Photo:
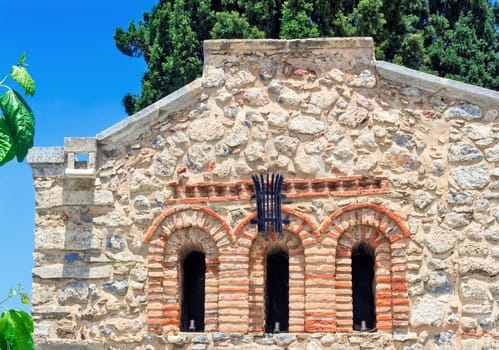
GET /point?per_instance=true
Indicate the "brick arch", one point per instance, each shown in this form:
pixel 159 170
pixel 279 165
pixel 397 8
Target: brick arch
pixel 369 214
pixel 301 238
pixel 387 234
pixel 176 232
pixel 191 216
pixel 256 295
pixel 300 224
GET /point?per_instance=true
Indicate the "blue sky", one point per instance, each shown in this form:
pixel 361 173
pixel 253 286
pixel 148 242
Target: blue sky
pixel 80 80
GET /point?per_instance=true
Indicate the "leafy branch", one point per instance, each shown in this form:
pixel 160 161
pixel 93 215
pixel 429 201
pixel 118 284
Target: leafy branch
pixel 16 326
pixel 17 124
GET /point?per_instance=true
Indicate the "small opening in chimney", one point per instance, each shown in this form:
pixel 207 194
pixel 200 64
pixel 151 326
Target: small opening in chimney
pixel 364 318
pixel 192 306
pixel 277 291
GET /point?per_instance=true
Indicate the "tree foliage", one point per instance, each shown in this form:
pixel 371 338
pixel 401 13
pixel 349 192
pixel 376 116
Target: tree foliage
pixel 451 38
pixel 17 124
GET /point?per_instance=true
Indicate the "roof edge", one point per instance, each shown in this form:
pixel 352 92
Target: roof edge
pixel 432 83
pixel 138 122
pixel 278 45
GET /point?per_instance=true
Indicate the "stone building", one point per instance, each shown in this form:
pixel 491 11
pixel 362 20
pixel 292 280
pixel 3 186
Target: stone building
pixel 145 235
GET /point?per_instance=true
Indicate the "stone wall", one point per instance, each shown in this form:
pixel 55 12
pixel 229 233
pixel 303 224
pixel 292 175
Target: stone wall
pixel 370 152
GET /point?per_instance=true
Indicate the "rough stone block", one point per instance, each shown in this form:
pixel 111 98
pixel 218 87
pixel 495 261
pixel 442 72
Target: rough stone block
pixel 78 272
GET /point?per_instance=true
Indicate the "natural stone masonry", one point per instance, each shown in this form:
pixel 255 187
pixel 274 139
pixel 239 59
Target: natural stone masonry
pixel 371 152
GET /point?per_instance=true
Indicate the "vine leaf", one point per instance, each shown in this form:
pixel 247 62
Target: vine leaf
pixel 7 151
pixel 22 77
pixel 25 299
pixel 20 120
pixel 16 327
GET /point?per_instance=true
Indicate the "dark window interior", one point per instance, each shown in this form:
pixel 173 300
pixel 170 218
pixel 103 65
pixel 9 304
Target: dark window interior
pixel 362 286
pixel 192 308
pixel 277 292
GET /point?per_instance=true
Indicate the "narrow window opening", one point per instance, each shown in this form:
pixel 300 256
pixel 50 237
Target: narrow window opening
pixel 277 292
pixel 193 292
pixel 81 160
pixel 364 315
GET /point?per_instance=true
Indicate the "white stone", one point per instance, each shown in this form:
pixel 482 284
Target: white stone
pixel 77 272
pixel 428 312
pixel 240 80
pixel 389 117
pixel 208 129
pixel 476 131
pixel 237 136
pixel 306 125
pixel 213 77
pixel 353 118
pixel 366 140
pixel 255 152
pixel 316 146
pixel 324 99
pixel 474 293
pixel 255 97
pixel 487 266
pixel 78 239
pixel 364 79
pixel 124 325
pixel 472 177
pixel 491 115
pixel 440 240
pixel 199 156
pixel 464 152
pixel 242 168
pixel 422 199
pixel 286 144
pixel 492 154
pixel 115 218
pixel 366 163
pixel 223 170
pixel 336 74
pixel 88 198
pixel 464 111
pixel 277 119
pixel 289 98
pixel 307 165
pixel 223 98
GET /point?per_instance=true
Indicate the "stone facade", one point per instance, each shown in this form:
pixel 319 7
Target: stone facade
pixel 370 152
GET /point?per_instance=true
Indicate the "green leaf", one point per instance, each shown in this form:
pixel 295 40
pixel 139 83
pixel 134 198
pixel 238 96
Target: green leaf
pixel 22 77
pixel 7 151
pixel 22 58
pixel 20 120
pixel 12 292
pixel 25 299
pixel 16 327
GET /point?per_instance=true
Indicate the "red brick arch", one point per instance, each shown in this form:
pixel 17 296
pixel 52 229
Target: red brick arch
pixel 301 239
pixel 386 233
pixel 176 232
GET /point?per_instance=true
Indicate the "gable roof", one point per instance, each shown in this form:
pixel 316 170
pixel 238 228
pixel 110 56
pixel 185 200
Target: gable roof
pixel 362 49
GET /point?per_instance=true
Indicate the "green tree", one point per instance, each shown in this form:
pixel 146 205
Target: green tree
pixel 17 124
pixel 450 38
pixel 230 25
pixel 170 47
pixel 296 20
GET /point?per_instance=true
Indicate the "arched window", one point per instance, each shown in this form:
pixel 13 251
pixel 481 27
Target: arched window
pixel 192 303
pixel 277 291
pixel 364 315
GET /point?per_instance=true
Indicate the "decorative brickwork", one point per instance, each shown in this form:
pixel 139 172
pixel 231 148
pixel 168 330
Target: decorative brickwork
pixel 174 234
pixel 320 275
pixel 385 232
